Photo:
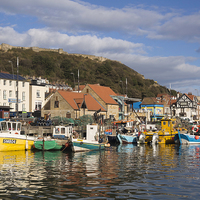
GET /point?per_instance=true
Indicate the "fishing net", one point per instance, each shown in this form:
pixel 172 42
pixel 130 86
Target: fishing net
pixel 83 120
pixel 62 120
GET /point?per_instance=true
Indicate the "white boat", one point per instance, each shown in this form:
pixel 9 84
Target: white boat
pixel 92 141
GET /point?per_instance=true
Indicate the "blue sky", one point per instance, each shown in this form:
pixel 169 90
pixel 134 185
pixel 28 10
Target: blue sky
pixel 159 39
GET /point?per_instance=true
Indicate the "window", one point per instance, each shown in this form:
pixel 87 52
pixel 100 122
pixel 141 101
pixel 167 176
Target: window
pixel 56 104
pixel 23 96
pixel 9 126
pixel 10 104
pixel 23 84
pixel 10 83
pixel 14 126
pixel 10 93
pixel 23 107
pixel 4 104
pixel 4 82
pixel 4 94
pixel 62 130
pixel 38 94
pixel 18 126
pixel 68 115
pixel 38 105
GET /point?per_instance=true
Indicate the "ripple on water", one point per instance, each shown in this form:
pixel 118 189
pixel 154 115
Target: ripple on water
pixel 123 172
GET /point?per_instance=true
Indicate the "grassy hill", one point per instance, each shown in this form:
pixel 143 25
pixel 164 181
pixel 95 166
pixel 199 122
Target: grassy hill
pixel 58 67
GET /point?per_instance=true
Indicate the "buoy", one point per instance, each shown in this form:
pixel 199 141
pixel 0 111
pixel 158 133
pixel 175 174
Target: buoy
pixel 107 145
pixel 196 137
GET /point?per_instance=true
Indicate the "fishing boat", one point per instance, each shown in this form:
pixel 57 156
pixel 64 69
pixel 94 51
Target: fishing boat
pixel 12 138
pixel 125 131
pixel 60 140
pixel 92 140
pixel 128 138
pixel 186 138
pixel 169 129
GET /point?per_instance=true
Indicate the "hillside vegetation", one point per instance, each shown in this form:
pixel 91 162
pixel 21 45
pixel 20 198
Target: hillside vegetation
pixel 58 68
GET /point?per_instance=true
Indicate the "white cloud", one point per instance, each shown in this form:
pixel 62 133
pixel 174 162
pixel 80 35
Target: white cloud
pixel 72 16
pixel 164 70
pixel 86 44
pixel 174 69
pixel 78 16
pixel 179 27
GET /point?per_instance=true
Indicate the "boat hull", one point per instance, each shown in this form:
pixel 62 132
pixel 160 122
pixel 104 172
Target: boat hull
pixel 15 144
pixel 187 139
pixel 55 144
pixel 162 138
pixel 87 145
pixel 126 139
pixel 112 139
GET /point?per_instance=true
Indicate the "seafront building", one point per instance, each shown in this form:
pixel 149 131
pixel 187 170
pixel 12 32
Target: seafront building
pixel 8 92
pixel 185 106
pixel 60 100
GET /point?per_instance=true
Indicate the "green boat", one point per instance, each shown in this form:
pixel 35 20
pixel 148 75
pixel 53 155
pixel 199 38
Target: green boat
pixel 47 145
pixel 53 144
pixel 60 140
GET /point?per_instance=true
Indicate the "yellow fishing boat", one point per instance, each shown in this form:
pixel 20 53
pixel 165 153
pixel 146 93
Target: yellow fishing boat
pixel 169 128
pixel 12 138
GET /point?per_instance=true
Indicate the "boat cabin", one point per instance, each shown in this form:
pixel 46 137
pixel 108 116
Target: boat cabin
pixel 124 125
pixel 168 124
pixel 10 127
pixel 62 132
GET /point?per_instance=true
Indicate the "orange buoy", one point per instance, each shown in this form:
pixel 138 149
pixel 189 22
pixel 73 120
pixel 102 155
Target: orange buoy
pixel 196 137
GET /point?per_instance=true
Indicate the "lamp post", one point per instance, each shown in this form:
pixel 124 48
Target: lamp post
pixel 17 87
pixel 78 80
pixel 74 79
pixel 12 67
pixel 122 100
pixel 197 92
pixel 126 88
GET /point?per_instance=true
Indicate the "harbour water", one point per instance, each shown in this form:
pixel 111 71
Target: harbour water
pixel 120 172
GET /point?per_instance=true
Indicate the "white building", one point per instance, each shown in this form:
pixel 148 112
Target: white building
pixel 31 96
pixel 38 89
pixel 187 107
pixel 8 92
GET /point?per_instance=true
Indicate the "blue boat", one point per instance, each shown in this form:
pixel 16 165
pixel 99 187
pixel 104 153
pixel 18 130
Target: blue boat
pixel 186 138
pixel 127 138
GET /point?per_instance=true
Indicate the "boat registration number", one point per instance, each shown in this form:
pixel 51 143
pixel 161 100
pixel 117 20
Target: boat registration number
pixel 9 141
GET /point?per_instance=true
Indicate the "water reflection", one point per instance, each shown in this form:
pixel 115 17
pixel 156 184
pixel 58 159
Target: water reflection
pixel 121 172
